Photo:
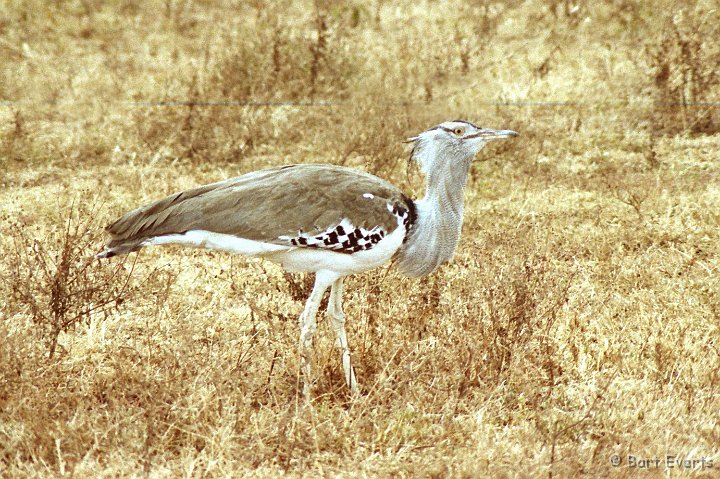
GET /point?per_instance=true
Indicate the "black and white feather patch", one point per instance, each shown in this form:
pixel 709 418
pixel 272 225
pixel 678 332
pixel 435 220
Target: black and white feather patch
pixel 345 237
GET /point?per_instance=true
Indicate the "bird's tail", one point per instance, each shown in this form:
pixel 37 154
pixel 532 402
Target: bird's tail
pixel 106 253
pixel 120 248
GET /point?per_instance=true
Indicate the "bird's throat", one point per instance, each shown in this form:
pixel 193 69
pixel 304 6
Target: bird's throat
pixel 434 236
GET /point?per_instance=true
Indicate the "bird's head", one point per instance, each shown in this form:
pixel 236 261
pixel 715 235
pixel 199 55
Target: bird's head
pixel 452 142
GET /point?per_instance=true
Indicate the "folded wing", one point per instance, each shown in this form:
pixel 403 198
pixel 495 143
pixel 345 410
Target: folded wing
pixel 314 206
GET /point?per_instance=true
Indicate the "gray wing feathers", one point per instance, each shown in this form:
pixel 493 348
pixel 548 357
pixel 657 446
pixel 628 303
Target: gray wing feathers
pixel 265 205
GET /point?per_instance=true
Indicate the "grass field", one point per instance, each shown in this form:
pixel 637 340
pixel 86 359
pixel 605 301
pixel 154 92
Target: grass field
pixel 580 318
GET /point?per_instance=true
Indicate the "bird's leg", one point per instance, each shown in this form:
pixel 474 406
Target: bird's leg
pixel 308 327
pixel 338 320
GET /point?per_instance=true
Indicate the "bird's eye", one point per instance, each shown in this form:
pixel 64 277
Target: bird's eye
pixel 458 131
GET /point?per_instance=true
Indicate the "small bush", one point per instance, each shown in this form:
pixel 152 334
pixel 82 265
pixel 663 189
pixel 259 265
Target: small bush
pixel 520 300
pixel 57 281
pixel 685 74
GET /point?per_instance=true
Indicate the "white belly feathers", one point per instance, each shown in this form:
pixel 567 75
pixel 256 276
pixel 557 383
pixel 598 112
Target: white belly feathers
pixel 296 258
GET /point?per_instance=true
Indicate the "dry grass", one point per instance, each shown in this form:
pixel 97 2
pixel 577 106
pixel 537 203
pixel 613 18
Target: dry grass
pixel 579 319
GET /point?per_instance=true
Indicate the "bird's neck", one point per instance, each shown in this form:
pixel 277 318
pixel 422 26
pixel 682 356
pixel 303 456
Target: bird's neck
pixel 434 236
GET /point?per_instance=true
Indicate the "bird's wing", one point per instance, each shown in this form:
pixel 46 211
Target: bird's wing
pixel 296 205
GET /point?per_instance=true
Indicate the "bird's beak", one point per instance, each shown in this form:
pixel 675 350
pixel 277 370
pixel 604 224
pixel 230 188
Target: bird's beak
pixel 411 140
pixel 488 134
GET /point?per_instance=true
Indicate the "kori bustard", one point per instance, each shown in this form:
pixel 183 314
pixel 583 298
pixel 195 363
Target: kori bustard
pixel 330 220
